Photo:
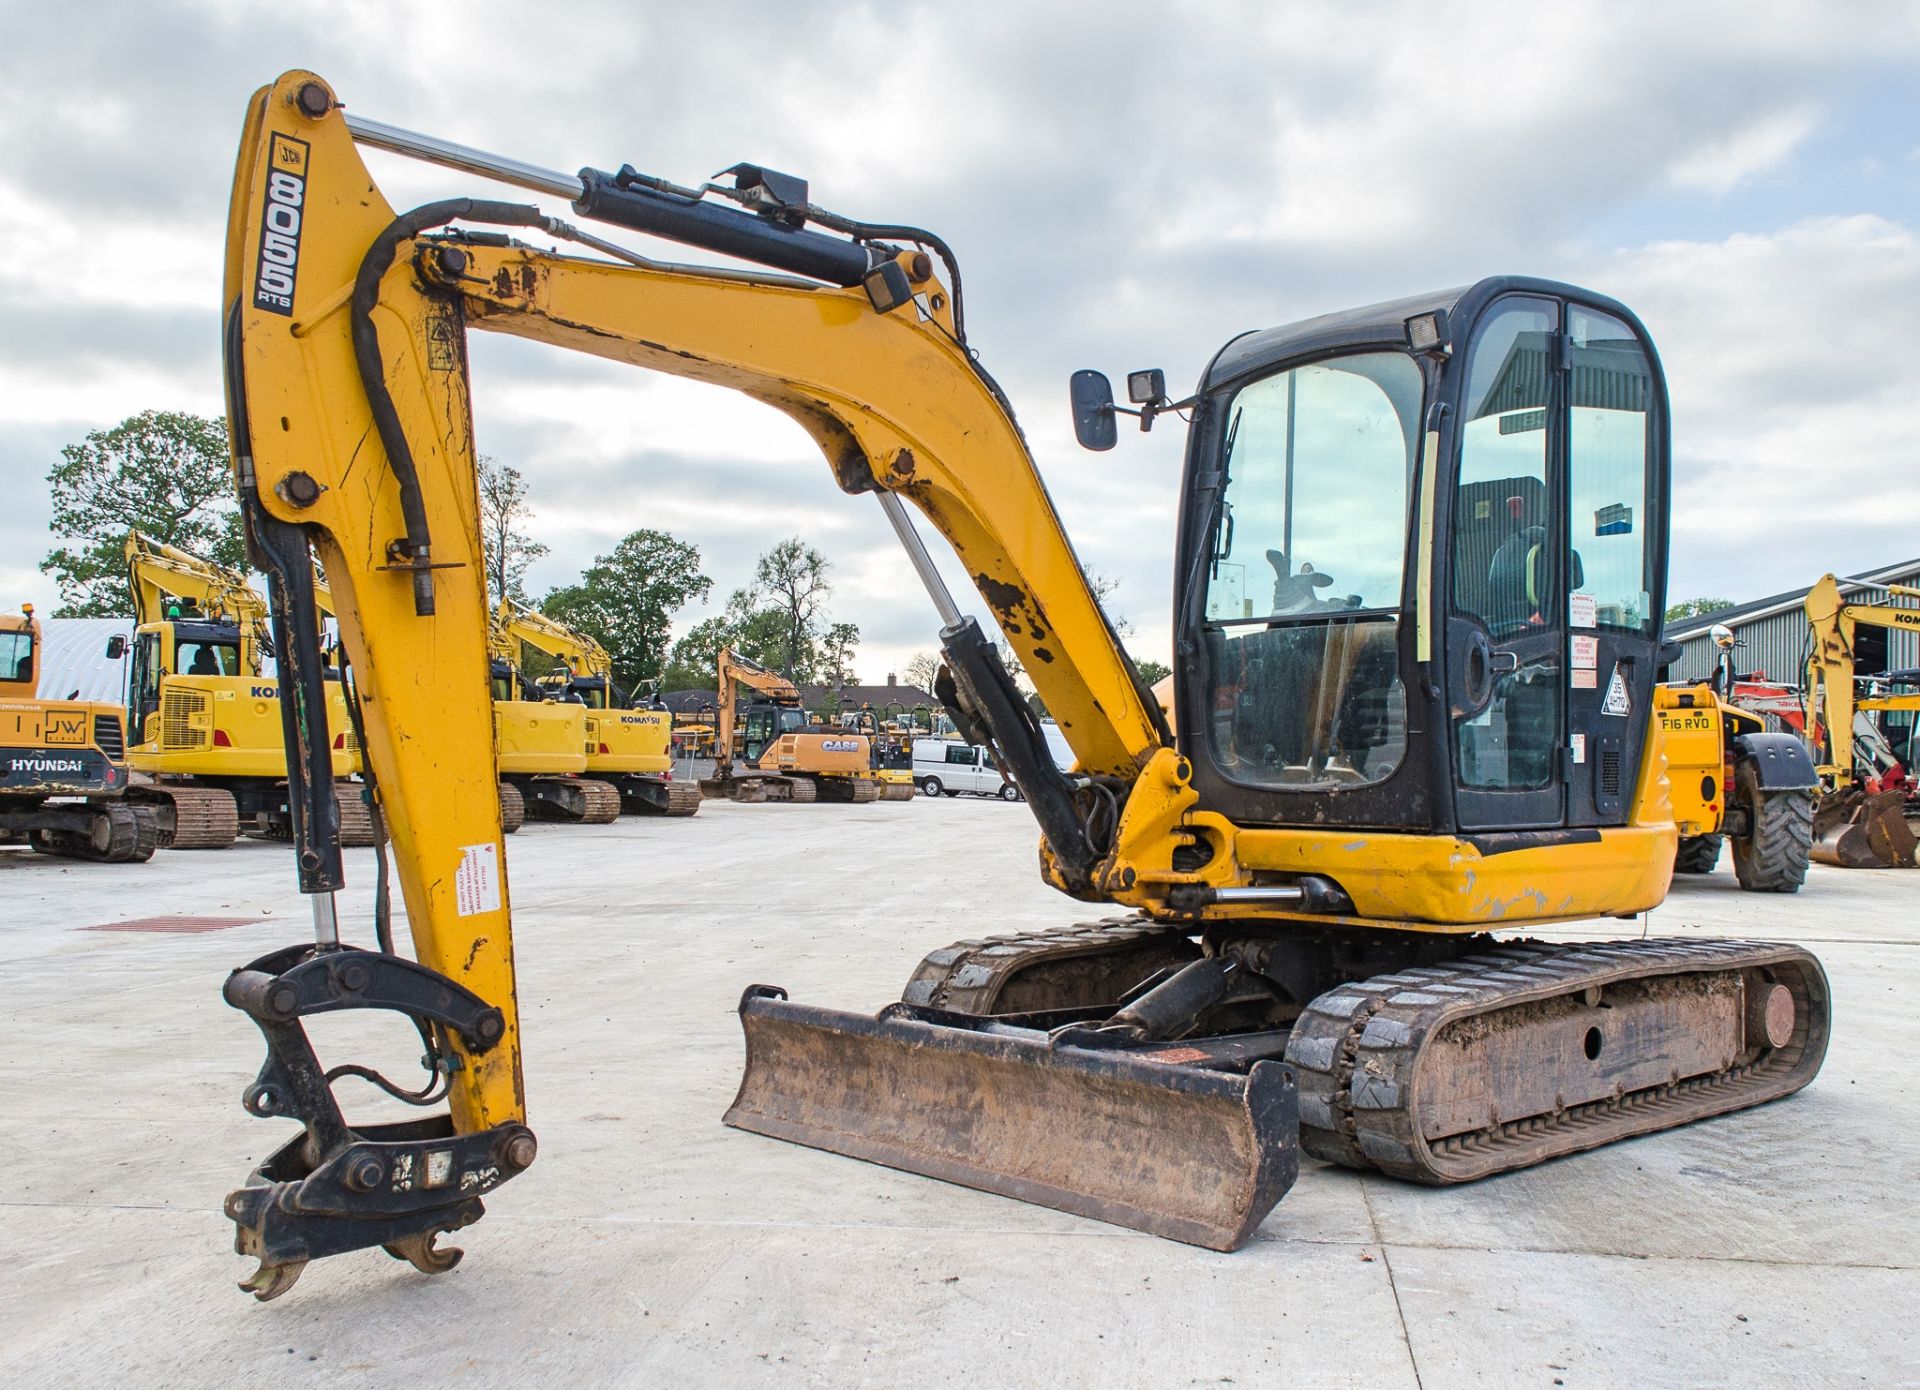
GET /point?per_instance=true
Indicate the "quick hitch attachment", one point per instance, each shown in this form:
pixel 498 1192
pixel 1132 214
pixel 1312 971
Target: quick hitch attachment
pixel 334 1187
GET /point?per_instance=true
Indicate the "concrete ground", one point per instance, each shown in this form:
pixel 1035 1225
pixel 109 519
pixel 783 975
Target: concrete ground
pixel 652 1246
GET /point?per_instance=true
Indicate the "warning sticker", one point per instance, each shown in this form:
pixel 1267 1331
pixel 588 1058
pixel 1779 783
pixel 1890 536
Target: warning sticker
pixel 1579 748
pixel 1588 679
pixel 1616 703
pixel 1586 653
pixel 476 883
pixel 1580 610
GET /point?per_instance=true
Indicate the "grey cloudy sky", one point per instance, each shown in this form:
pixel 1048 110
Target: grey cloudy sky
pixel 1126 184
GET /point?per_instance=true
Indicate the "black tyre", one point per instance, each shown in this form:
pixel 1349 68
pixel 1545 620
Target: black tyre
pixel 1698 854
pixel 1773 859
pixel 930 786
pixel 1009 792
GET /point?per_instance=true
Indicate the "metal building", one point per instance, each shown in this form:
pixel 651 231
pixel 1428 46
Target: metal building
pixel 1773 631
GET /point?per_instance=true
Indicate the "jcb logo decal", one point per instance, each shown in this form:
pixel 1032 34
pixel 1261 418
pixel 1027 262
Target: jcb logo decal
pixel 66 726
pixel 280 225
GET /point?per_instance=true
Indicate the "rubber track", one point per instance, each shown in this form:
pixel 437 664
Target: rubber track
pixel 356 817
pixel 602 802
pixel 133 834
pixel 968 976
pixel 1356 1049
pixel 203 817
pixel 513 808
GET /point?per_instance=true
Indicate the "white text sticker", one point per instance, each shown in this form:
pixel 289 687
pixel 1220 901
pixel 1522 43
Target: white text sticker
pixel 1580 610
pixel 1579 748
pixel 476 883
pixel 1586 653
pixel 1617 703
pixel 1588 679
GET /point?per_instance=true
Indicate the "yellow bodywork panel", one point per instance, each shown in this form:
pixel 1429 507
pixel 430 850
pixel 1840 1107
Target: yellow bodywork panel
pixel 629 740
pixel 540 736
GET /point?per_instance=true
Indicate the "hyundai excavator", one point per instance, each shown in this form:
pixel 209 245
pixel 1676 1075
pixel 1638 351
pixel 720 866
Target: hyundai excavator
pixel 629 746
pixel 1391 752
pixel 782 754
pixel 1866 816
pixel 204 720
pixel 63 765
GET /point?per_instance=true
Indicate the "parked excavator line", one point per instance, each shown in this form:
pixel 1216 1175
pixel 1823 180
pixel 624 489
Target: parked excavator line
pixel 1419 572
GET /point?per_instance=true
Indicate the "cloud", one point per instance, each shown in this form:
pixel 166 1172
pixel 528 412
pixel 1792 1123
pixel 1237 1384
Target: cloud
pixel 1124 193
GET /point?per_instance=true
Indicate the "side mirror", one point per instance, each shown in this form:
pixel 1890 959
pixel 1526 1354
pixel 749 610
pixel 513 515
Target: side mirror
pixel 1093 416
pixel 116 647
pixel 1722 636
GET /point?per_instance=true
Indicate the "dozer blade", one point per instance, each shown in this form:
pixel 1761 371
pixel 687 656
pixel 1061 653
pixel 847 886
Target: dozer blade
pixel 1134 1136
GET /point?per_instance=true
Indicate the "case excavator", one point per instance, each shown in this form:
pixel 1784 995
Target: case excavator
pixel 782 755
pixel 1421 552
pixel 629 744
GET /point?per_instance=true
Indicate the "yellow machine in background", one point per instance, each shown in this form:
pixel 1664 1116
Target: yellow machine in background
pixel 542 744
pixel 1419 573
pixel 782 754
pixel 205 721
pixel 890 751
pixel 1858 826
pixel 628 746
pixel 1730 778
pixel 63 768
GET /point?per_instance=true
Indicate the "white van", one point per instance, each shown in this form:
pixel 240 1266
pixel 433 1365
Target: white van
pixel 947 766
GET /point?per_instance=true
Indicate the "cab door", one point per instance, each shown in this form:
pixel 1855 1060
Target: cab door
pixel 1558 558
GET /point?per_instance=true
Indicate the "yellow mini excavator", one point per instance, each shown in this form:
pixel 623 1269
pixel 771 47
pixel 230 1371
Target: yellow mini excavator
pixel 1420 573
pixel 629 745
pixel 205 722
pixel 782 754
pixel 63 765
pixel 1866 815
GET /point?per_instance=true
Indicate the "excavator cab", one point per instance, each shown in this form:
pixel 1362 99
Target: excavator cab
pixel 1421 566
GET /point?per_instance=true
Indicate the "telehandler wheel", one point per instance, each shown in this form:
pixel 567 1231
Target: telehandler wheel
pixel 1698 854
pixel 930 786
pixel 1773 857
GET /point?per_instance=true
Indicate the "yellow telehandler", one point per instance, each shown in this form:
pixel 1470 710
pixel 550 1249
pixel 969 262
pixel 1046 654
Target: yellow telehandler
pixel 1420 570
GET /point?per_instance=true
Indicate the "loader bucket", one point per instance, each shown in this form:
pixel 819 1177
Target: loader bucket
pixel 1129 1136
pixel 1856 831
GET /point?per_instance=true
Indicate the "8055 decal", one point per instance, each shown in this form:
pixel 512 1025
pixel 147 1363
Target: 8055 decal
pixel 280 218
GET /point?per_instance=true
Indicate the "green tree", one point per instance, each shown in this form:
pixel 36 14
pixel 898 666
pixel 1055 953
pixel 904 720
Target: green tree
pixel 696 654
pixel 164 472
pixel 836 651
pixel 504 513
pixel 791 580
pixel 1152 672
pixel 626 600
pixel 1694 607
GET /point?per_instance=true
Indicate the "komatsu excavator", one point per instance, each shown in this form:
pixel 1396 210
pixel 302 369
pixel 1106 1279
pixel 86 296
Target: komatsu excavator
pixel 1862 821
pixel 205 721
pixel 542 743
pixel 629 745
pixel 1421 561
pixel 782 754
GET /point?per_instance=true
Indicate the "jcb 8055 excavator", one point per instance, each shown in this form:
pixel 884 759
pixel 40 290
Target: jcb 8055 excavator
pixel 205 721
pixel 1435 723
pixel 628 746
pixel 63 765
pixel 782 754
pixel 1861 821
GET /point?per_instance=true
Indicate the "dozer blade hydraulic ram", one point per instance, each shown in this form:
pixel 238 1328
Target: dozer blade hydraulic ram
pixel 1139 1135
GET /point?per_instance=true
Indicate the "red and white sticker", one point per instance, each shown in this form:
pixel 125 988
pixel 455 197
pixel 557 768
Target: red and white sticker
pixel 476 883
pixel 1581 611
pixel 1588 679
pixel 1586 653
